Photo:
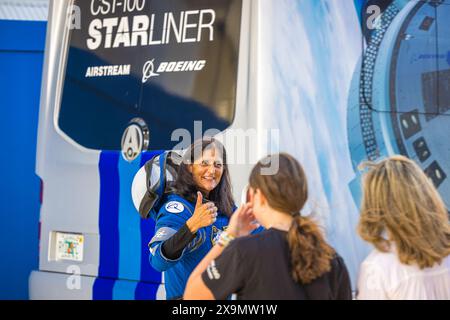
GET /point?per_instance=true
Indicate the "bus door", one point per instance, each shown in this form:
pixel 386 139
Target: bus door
pixel 119 79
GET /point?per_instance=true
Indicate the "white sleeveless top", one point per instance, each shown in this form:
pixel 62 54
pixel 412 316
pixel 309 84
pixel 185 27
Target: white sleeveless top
pixel 383 276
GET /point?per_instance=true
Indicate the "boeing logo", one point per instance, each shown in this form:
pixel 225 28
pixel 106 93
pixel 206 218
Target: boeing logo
pixel 433 57
pixel 148 70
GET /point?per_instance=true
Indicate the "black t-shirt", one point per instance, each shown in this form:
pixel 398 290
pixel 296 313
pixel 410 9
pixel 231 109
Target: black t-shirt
pixel 258 268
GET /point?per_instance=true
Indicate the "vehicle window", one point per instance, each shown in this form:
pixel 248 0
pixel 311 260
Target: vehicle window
pixel 168 62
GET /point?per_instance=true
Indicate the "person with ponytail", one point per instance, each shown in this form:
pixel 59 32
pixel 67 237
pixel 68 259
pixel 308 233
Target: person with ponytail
pixel 289 260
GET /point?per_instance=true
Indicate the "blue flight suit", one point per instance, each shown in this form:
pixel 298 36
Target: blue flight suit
pixel 171 217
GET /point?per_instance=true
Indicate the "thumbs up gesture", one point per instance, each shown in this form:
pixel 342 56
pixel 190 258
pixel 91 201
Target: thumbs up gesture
pixel 204 215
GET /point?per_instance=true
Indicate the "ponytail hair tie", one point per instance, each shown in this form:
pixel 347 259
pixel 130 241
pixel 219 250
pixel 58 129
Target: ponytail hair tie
pixel 296 222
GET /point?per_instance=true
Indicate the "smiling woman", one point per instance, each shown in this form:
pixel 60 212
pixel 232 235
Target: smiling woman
pixel 207 170
pixel 191 219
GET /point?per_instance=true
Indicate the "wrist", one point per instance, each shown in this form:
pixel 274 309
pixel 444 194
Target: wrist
pixel 225 238
pixel 232 232
pixel 192 226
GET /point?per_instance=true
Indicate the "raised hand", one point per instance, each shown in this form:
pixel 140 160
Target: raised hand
pixel 242 222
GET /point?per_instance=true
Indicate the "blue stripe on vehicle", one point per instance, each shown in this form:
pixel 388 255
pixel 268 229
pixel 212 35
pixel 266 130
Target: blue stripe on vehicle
pixel 146 291
pixel 129 223
pixel 124 236
pixel 103 289
pixel 108 225
pixel 147 226
pixel 124 290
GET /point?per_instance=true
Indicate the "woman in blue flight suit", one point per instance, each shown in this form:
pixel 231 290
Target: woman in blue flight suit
pixel 189 221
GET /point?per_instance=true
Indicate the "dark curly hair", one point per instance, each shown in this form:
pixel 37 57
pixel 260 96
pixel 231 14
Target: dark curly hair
pixel 185 185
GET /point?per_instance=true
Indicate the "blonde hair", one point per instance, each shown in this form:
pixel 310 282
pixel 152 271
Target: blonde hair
pixel 401 201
